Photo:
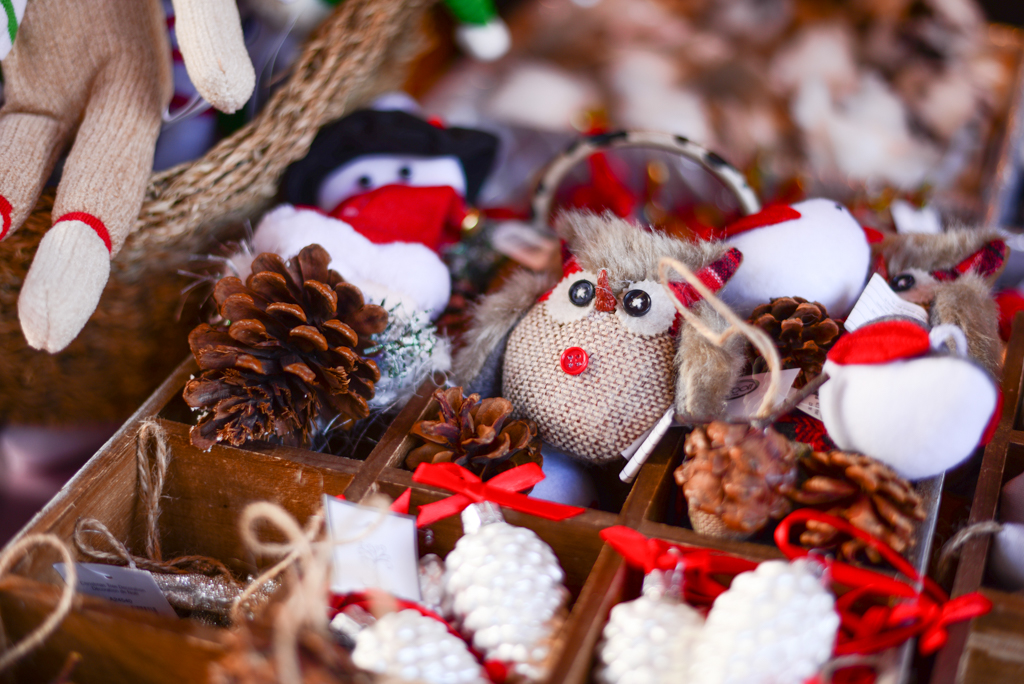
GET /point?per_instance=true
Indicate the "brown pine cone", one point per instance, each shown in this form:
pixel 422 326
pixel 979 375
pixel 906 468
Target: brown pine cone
pixel 289 355
pixel 801 330
pixel 472 433
pixel 865 492
pixel 738 474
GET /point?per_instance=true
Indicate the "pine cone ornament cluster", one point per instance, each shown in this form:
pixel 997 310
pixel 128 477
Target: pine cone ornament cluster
pixel 867 493
pixel 736 478
pixel 801 330
pixel 475 434
pixel 649 639
pixel 287 355
pixel 504 590
pixel 412 647
pixel 776 623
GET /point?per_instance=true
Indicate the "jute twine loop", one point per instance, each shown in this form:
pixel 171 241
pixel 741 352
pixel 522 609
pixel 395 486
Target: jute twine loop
pixel 53 620
pixel 150 439
pixel 307 559
pixel 951 549
pixel 757 337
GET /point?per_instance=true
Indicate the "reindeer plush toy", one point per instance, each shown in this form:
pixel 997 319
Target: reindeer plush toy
pixel 98 72
pixel 597 357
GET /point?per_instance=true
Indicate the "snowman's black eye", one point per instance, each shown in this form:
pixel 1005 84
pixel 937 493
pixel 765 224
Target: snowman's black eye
pixel 365 182
pixel 405 173
pixel 636 302
pixel 902 282
pixel 581 292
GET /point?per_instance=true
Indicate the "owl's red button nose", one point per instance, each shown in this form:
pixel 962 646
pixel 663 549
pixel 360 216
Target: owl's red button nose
pixel 574 360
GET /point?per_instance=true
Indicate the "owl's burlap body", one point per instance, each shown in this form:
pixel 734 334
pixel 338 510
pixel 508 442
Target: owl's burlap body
pixel 628 385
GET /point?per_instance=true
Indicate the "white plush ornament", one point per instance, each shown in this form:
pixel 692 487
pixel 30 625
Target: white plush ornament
pixel 412 647
pixel 504 589
pixel 399 273
pixel 822 255
pixel 918 412
pixel 776 624
pixel 649 640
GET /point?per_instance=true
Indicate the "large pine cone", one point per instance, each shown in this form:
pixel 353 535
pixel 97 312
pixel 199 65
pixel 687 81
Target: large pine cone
pixel 738 475
pixel 801 330
pixel 289 356
pixel 473 433
pixel 867 493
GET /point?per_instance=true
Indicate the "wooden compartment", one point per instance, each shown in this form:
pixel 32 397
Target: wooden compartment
pixel 991 648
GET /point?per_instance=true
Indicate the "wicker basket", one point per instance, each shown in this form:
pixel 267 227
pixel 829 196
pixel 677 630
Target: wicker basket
pixel 138 333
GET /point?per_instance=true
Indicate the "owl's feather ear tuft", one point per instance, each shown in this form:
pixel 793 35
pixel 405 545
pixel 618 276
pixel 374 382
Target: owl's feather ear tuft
pixel 630 252
pixel 929 252
pixel 493 319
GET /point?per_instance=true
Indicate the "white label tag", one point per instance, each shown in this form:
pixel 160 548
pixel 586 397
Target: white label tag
pixel 809 405
pixel 877 301
pixel 382 554
pixel 525 244
pixel 123 586
pixel 910 219
pixel 747 394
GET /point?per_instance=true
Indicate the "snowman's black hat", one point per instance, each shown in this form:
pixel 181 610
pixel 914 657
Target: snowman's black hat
pixel 370 131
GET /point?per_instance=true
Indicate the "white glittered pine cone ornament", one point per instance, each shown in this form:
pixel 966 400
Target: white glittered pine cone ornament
pixel 650 640
pixel 413 647
pixel 775 625
pixel 505 592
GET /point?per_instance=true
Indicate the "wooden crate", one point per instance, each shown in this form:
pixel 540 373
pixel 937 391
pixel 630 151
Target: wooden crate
pixel 204 495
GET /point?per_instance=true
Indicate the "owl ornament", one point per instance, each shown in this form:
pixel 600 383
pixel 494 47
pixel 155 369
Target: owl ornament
pixel 598 356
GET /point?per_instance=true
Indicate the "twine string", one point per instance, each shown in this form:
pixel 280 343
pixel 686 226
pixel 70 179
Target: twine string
pixel 150 439
pixel 48 626
pixel 757 337
pixel 951 549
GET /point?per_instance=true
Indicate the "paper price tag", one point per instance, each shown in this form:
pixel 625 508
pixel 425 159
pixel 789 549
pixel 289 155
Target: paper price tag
pixel 382 553
pixel 747 394
pixel 810 405
pixel 123 586
pixel 878 301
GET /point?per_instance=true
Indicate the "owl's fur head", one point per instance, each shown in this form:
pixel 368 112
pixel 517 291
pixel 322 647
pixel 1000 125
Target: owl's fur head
pixel 609 254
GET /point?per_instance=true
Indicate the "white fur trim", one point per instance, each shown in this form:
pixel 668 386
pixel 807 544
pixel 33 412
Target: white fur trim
pixel 822 256
pixel 561 308
pixel 396 273
pixel 921 416
pixel 660 316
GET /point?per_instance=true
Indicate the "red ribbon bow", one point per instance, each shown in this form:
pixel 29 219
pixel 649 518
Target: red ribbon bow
pixel 927 612
pixel 502 489
pixel 699 565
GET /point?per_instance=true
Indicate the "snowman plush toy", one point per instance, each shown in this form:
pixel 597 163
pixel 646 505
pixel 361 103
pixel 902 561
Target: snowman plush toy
pixel 384 192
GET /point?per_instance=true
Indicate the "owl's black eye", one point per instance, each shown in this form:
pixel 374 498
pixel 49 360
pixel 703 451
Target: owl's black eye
pixel 365 182
pixel 405 173
pixel 581 293
pixel 902 282
pixel 636 302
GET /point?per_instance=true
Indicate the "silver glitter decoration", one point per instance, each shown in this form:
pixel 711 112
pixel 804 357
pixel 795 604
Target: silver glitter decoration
pixel 209 596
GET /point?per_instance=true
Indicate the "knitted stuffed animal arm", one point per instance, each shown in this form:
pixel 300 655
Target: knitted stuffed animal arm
pixel 98 73
pixel 210 37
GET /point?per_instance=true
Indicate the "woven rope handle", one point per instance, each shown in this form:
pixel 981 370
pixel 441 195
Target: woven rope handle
pixel 757 337
pixel 349 58
pixel 544 194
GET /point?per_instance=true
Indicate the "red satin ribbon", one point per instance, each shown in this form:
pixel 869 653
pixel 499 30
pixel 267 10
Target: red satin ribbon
pixel 699 565
pixel 502 489
pixel 927 612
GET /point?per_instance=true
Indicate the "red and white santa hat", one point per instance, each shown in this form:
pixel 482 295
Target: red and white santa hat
pixel 907 397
